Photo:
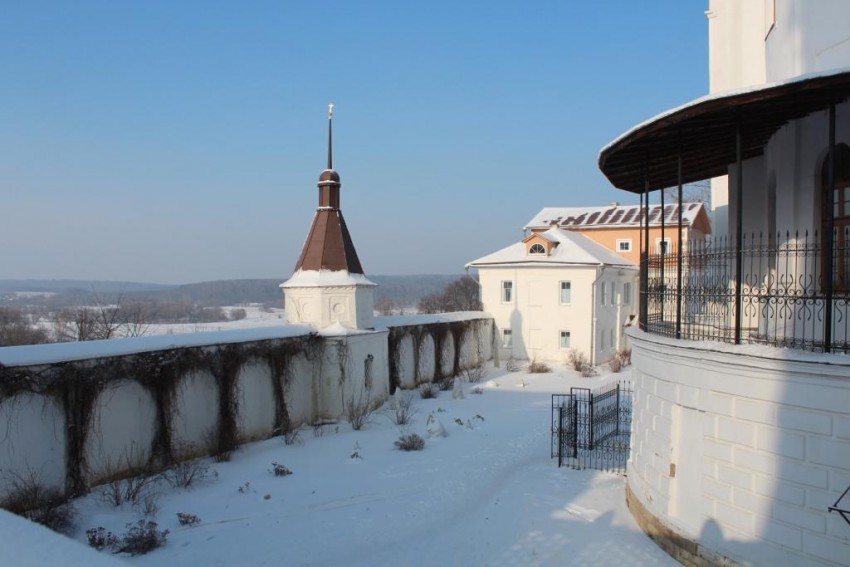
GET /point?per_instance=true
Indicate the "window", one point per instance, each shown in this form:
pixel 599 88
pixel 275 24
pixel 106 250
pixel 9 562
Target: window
pixel 602 340
pixel 507 292
pixel 624 245
pixel 611 338
pixel 603 293
pixel 566 292
pixel 613 294
pixel 627 293
pixel 507 338
pixel 840 202
pixel 662 246
pixel 537 248
pixel 565 340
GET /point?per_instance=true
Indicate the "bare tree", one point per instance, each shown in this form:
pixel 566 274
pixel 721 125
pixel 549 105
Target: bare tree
pixel 459 295
pixel 102 321
pixel 136 318
pixel 696 192
pixel 385 306
pixel 15 329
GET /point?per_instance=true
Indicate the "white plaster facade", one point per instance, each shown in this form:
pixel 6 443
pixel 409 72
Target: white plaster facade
pixel 581 289
pixel 321 298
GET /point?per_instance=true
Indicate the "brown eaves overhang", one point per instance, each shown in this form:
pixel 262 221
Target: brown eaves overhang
pixel 705 131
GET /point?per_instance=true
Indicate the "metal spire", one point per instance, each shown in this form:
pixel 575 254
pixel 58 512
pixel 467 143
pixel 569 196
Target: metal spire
pixel 330 136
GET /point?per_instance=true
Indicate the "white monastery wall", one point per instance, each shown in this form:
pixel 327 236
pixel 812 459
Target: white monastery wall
pixel 195 413
pixel 122 429
pixel 33 429
pixel 134 405
pixel 741 449
pixel 255 401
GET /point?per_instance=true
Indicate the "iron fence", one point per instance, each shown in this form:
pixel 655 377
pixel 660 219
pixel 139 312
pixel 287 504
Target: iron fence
pixel 592 429
pixel 779 298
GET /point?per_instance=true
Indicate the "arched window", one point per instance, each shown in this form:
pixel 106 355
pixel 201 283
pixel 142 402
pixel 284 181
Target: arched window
pixel 537 249
pixel 839 200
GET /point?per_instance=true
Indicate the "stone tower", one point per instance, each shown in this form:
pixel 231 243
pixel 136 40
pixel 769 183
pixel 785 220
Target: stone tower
pixel 329 285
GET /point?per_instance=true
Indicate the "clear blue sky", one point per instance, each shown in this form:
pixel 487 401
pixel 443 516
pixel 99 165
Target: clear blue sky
pixel 177 141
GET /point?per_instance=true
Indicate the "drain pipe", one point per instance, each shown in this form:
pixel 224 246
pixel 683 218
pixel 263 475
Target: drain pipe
pixel 600 271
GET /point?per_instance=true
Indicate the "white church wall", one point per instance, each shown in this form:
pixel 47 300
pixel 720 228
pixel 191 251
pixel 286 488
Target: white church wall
pixel 741 454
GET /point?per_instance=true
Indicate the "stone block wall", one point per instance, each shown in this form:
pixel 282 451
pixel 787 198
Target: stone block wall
pixel 740 450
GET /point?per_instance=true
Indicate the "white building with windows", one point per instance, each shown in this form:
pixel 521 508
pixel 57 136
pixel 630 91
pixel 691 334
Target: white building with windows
pixel 555 291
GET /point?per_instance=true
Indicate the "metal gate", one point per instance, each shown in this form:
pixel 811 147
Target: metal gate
pixel 591 429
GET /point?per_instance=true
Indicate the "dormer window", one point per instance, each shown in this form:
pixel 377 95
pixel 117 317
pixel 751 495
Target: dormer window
pixel 537 248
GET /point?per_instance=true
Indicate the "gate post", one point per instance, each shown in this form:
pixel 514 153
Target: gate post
pixel 617 413
pixel 590 424
pixel 560 435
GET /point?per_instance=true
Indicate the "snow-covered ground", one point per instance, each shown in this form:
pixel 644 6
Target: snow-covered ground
pixel 486 494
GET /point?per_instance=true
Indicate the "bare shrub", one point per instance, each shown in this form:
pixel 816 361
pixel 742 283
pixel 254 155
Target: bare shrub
pixel 577 360
pixel 280 470
pixel 538 367
pixel 477 390
pixel 292 436
pixel 359 412
pixel 511 364
pixel 131 490
pixel 237 314
pixel 587 371
pixel 148 505
pixel 625 356
pixel 474 374
pixel 101 539
pixel 410 442
pixel 186 473
pixel 446 383
pixel 29 498
pixel 400 411
pixel 185 519
pixel 428 391
pixel 141 537
pixel 615 364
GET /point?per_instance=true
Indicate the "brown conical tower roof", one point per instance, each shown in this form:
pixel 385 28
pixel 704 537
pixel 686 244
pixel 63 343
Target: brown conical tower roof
pixel 329 245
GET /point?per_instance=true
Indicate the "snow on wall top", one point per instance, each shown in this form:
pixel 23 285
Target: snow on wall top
pixel 322 278
pixel 61 352
pixel 572 249
pixel 423 319
pixel 612 216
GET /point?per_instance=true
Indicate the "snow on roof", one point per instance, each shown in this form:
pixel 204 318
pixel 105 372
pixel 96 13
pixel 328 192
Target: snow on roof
pixel 322 278
pixel 60 352
pixel 724 94
pixel 573 249
pixel 612 216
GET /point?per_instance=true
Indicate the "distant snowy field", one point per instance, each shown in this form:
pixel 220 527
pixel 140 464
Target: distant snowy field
pixel 486 494
pixel 255 317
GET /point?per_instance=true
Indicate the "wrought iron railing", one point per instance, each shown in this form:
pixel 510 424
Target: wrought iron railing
pixel 781 290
